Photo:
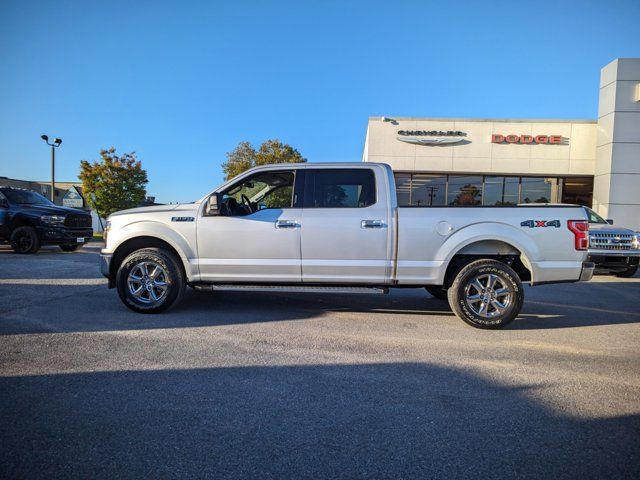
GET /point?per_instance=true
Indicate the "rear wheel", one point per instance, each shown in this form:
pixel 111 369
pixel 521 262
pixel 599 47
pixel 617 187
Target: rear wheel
pixel 150 280
pixel 486 294
pixel 629 272
pixel 437 291
pixel 25 240
pixel 69 248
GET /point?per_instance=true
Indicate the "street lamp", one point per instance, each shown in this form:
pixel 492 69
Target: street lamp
pixel 56 143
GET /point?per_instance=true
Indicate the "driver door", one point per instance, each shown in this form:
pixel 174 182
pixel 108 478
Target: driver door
pixel 257 237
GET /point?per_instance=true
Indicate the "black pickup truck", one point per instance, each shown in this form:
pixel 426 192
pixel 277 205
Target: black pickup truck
pixel 28 220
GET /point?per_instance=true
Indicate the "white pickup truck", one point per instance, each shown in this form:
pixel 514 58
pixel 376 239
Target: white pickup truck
pixel 315 225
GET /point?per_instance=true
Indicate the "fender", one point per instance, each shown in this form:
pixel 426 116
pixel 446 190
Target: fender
pixel 530 253
pixel 150 228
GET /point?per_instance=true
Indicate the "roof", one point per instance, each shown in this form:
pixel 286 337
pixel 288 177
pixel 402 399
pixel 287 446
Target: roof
pixel 503 120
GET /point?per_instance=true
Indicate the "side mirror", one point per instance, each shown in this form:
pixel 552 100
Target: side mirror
pixel 610 221
pixel 213 205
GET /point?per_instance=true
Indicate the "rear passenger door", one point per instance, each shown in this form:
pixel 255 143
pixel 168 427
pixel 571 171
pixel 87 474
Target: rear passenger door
pixel 345 227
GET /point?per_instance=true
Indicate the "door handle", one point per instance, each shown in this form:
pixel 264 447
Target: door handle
pixel 287 224
pixel 372 224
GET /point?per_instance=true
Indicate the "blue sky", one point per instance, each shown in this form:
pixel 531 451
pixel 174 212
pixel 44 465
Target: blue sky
pixel 181 83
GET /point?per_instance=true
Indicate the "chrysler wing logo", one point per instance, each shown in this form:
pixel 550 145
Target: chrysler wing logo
pixel 432 137
pixel 431 141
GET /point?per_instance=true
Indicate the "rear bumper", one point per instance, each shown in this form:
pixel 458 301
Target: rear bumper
pixel 587 271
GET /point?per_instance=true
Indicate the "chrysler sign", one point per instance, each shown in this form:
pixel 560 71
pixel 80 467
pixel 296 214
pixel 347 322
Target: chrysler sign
pixel 431 137
pixel 527 139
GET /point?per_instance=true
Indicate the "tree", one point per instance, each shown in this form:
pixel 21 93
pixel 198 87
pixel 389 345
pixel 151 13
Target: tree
pixel 117 181
pixel 469 195
pixel 245 156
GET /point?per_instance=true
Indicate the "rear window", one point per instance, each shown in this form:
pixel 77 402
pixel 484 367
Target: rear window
pixel 339 188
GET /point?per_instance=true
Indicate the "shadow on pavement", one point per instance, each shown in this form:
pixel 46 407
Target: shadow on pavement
pixel 90 307
pixel 404 420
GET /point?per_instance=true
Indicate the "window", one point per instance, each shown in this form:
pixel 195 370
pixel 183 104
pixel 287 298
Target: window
pixel 464 191
pixel 594 217
pixel 428 190
pixel 421 190
pixel 258 192
pixel 538 190
pixel 25 197
pixel 501 191
pixel 403 189
pixel 339 188
pixel 578 190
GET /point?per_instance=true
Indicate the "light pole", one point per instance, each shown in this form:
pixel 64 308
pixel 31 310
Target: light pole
pixel 56 143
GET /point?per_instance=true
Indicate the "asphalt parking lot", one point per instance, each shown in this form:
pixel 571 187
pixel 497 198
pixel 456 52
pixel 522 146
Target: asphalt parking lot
pixel 274 385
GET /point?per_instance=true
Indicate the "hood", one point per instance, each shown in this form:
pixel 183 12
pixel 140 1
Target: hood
pixel 606 228
pixel 51 210
pixel 152 209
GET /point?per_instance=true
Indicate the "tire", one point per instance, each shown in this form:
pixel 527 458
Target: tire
pixel 24 240
pixel 158 290
pixel 470 284
pixel 437 291
pixel 629 272
pixel 70 248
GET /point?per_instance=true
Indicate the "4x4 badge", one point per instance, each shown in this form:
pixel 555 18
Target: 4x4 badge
pixel 540 223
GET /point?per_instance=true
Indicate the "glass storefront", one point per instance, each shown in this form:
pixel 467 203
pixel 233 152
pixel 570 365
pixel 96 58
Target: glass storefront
pixel 578 190
pixel 420 190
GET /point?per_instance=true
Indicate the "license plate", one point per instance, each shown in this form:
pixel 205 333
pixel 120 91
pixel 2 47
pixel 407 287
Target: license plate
pixel 80 240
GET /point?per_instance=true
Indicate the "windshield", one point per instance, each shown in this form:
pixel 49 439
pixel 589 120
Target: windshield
pixel 594 217
pixel 25 197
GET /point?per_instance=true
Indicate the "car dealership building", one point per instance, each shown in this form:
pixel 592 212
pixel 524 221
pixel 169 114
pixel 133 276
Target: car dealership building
pixel 447 161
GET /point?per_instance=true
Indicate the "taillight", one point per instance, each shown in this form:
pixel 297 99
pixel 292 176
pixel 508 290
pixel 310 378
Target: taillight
pixel 580 229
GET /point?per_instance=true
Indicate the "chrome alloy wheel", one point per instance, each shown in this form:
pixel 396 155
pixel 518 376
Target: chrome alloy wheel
pixel 147 282
pixel 488 295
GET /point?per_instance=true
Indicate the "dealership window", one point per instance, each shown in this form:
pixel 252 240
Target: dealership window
pixel 578 190
pixel 538 190
pixel 501 191
pixel 428 190
pixel 403 188
pixel 418 189
pixel 464 191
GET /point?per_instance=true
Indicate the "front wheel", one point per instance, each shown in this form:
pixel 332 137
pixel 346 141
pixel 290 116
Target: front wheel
pixel 486 294
pixel 25 240
pixel 150 280
pixel 629 272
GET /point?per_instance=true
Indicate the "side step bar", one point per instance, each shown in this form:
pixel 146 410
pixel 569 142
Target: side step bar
pixel 289 288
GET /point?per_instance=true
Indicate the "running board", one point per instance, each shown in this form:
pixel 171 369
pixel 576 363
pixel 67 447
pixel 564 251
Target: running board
pixel 290 289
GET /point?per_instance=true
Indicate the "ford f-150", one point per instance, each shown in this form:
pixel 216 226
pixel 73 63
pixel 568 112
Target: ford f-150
pixel 315 225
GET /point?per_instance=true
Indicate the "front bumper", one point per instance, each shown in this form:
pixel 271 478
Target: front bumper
pixel 614 253
pixel 63 235
pixel 587 271
pixel 105 264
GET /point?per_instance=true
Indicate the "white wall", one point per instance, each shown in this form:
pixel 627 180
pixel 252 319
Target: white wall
pixel 576 156
pixel 616 186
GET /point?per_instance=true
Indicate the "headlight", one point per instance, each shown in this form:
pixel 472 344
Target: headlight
pixel 105 231
pixel 52 219
pixel 636 240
